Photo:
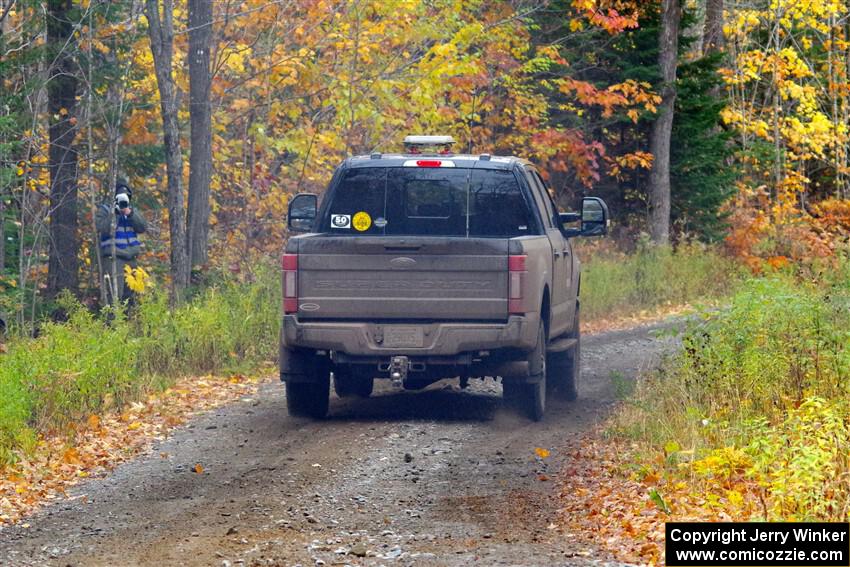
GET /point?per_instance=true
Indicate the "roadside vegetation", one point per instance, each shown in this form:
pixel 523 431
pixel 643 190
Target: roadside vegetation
pixel 618 284
pixel 91 364
pixel 752 412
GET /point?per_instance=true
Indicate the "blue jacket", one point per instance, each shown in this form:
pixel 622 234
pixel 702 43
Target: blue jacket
pixel 127 230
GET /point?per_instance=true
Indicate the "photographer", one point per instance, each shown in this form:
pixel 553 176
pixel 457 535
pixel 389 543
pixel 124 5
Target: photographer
pixel 119 226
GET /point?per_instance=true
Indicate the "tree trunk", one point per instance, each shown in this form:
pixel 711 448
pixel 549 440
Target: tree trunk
pixel 713 32
pixel 161 30
pixel 200 160
pixel 63 265
pixel 659 179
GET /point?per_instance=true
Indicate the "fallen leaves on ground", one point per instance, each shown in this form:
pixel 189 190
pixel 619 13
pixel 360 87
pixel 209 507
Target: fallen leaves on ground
pixel 613 500
pixel 621 322
pixel 103 442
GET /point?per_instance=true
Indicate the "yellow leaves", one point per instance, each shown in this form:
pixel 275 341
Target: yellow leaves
pixel 137 279
pixel 792 48
pixel 723 463
pixel 234 57
pixel 631 162
pixel 760 128
pixel 198 468
pixel 542 453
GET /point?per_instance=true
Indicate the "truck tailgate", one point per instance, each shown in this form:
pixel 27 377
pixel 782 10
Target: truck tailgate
pixel 405 278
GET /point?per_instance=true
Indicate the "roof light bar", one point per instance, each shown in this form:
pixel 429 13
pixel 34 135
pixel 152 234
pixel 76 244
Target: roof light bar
pixel 441 145
pixel 428 140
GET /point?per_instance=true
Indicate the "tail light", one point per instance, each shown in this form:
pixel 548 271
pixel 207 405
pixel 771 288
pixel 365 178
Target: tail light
pixel 517 274
pixel 290 283
pixel 429 163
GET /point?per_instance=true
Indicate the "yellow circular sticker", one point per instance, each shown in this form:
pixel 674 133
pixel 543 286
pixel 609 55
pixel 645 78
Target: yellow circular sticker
pixel 361 221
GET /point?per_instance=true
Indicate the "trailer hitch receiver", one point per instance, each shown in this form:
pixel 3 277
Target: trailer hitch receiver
pixel 398 369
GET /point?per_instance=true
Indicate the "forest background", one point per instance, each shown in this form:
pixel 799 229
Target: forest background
pixel 706 121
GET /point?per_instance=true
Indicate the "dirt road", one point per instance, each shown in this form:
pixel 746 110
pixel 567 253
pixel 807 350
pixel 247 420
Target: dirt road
pixel 441 477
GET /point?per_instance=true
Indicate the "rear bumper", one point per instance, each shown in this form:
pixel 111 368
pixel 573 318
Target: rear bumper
pixel 436 339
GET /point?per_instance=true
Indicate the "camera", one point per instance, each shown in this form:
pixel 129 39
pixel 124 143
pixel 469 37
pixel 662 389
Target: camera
pixel 122 202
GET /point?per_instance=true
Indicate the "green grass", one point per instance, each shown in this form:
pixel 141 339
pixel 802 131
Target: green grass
pixel 617 284
pixel 87 365
pixel 758 395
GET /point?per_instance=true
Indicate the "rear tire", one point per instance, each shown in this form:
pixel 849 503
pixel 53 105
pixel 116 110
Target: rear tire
pixel 565 367
pixel 309 399
pixel 534 395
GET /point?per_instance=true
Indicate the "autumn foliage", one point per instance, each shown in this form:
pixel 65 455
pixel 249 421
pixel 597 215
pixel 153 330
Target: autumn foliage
pixel 297 87
pixel 789 103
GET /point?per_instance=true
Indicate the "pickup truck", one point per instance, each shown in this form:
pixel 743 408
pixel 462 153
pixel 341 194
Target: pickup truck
pixel 419 267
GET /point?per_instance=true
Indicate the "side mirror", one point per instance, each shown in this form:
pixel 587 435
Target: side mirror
pixel 303 209
pixel 594 217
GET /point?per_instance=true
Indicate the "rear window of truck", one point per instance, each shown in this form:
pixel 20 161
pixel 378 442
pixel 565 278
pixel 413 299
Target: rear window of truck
pixel 402 201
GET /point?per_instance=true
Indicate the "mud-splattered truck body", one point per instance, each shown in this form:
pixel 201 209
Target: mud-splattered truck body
pixel 422 267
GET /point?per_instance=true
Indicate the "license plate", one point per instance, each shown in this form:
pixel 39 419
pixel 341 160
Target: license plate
pixel 410 337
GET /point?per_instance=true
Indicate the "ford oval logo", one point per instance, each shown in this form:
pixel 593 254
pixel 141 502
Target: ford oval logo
pixel 308 307
pixel 403 262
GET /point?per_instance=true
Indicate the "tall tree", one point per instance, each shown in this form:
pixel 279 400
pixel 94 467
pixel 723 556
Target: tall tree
pixel 200 160
pixel 713 31
pixel 63 265
pixel 161 31
pixel 662 128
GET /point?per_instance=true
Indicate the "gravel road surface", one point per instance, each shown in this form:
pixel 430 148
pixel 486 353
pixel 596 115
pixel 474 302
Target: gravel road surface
pixel 439 477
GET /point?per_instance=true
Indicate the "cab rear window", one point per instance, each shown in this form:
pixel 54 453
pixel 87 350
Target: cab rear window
pixel 428 202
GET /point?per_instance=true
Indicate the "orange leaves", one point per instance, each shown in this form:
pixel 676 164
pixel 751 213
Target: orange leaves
pixel 71 457
pixel 778 262
pixel 542 453
pixel 139 129
pixel 93 422
pixel 833 215
pixel 628 95
pixel 198 468
pixel 567 150
pixel 589 95
pixel 614 16
pixel 240 104
pixel 773 240
pixel 602 506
